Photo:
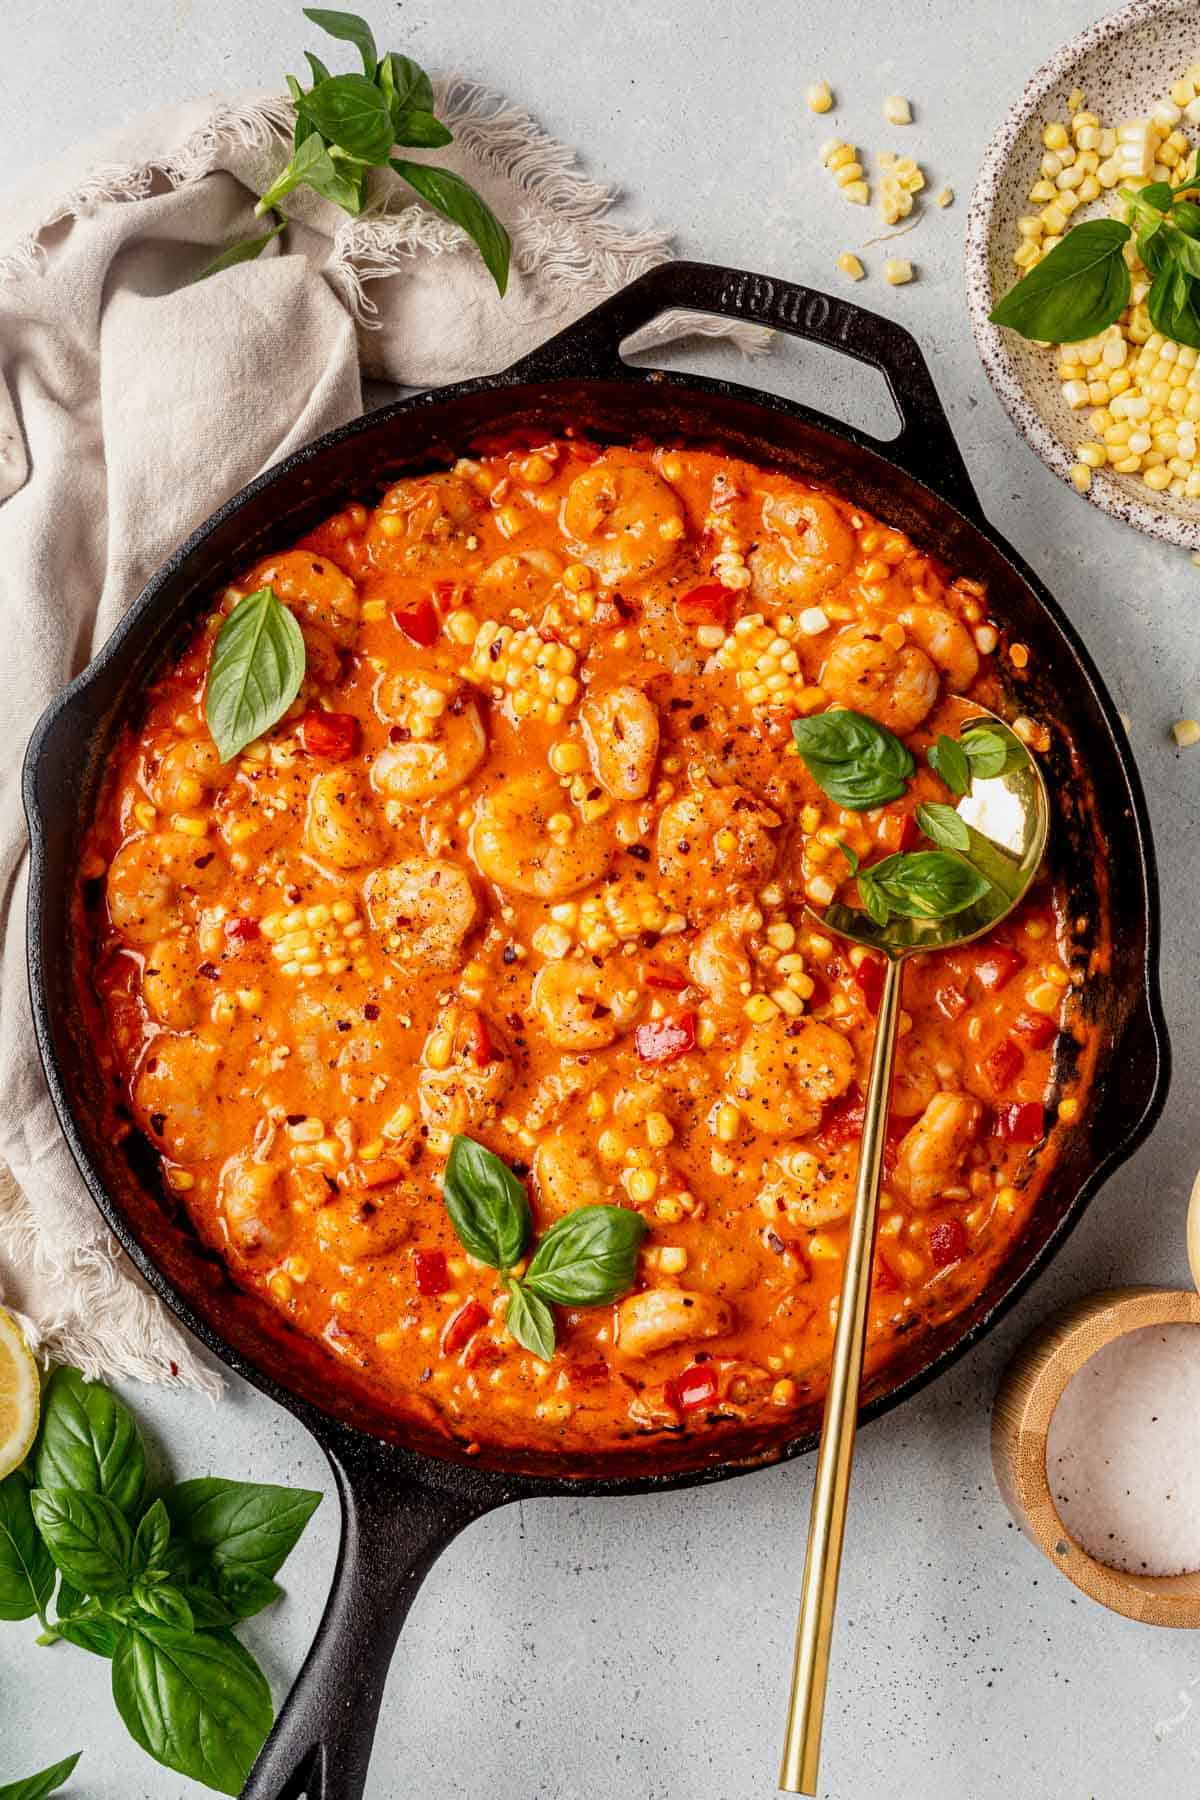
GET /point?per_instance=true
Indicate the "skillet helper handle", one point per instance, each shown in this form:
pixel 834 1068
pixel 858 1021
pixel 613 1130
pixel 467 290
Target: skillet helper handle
pixel 925 447
pixel 392 1533
pixel 831 1492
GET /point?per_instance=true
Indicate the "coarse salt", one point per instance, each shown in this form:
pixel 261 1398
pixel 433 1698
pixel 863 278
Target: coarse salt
pixel 1123 1452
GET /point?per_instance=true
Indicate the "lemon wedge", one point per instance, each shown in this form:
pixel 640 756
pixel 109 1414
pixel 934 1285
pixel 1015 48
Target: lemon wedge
pixel 20 1396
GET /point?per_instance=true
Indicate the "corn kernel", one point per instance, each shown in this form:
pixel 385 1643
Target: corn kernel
pixel 1186 732
pixel 897 270
pixel 659 1130
pixel 728 1121
pixel 642 1184
pixel 1067 1110
pixel 819 97
pixel 945 197
pixel 439 1050
pixel 759 1008
pixel 669 1209
pixel 850 265
pixel 896 110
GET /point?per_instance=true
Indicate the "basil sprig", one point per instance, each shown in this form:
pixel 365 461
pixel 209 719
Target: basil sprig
pixel 256 669
pixel 347 125
pixel 981 753
pixel 153 1585
pixel 852 758
pixel 917 884
pixel 944 825
pixel 587 1258
pixel 1083 285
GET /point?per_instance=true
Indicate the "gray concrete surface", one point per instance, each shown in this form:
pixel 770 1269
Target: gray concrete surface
pixel 577 1651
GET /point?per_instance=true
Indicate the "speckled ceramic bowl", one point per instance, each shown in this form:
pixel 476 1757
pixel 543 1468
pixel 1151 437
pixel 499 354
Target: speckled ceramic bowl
pixel 1124 65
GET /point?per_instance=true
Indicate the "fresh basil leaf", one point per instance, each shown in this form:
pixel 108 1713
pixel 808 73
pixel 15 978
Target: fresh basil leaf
pixel 943 825
pixel 310 154
pixel 342 179
pixel 89 1441
pixel 1152 246
pixel 88 1537
pixel 588 1257
pixel 255 673
pixel 1171 304
pixel 872 899
pixel 530 1321
pixel 927 884
pixel 948 760
pixel 1077 290
pixel 459 202
pixel 989 752
pixel 488 1206
pixel 197 1703
pixel 92 1629
pixel 349 110
pixel 850 855
pixel 161 1600
pixel 151 1539
pixel 27 1573
pixel 241 1525
pixel 405 84
pixel 1155 197
pixel 319 71
pixel 303 127
pixel 852 758
pixel 36 1787
pixel 247 251
pixel 420 129
pixel 350 28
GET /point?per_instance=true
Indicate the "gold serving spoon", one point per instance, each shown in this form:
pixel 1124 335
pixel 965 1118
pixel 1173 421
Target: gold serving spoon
pixel 1006 816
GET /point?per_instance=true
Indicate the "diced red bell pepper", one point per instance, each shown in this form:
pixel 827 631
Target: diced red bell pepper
pixel 897 832
pixel 462 1328
pixel 674 980
pixel 950 1001
pixel 842 1123
pixel 885 1281
pixel 1003 1064
pixel 694 1387
pixel 479 1041
pixel 482 1351
pixel 662 1040
pixel 433 1277
pixel 1035 1029
pixel 420 623
pixel 947 1242
pixel 335 736
pixel 868 978
pixel 1024 1122
pixel 995 967
pixel 242 930
pixel 708 604
pixel 446 594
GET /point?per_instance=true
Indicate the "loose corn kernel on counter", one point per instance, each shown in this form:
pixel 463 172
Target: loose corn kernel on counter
pixel 529 859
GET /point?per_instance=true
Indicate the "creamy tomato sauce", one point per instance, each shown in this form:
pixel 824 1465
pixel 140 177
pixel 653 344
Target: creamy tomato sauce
pixel 529 860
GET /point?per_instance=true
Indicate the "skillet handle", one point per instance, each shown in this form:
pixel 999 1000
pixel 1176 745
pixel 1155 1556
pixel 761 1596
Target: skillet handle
pixel 925 447
pixel 393 1531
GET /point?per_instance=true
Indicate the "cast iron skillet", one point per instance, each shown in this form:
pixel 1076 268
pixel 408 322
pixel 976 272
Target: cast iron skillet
pixel 405 1491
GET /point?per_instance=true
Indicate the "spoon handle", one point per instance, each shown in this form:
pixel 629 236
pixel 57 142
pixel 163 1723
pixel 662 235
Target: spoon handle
pixel 827 1522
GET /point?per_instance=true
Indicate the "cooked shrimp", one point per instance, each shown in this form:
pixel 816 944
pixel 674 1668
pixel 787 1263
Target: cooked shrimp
pixel 313 587
pixel 179 1094
pixel 931 1155
pixel 520 577
pixel 340 827
pixel 807 549
pixel 922 1071
pixel 189 770
pixel 170 986
pixel 465 1073
pixel 807 1191
pixel 422 908
pixel 443 739
pixel 418 521
pixel 785 1073
pixel 946 640
pixel 512 845
pixel 896 687
pixel 254 1207
pixel 583 1007
pixel 661 1317
pixel 151 879
pixel 359 1227
pixel 620 728
pixel 622 521
pixel 568 1174
pixel 716 840
pixel 721 967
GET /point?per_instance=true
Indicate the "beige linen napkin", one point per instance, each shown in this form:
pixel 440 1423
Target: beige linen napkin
pixel 132 404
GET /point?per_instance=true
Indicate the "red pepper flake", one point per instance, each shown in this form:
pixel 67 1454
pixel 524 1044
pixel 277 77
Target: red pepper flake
pixel 243 930
pixel 708 604
pixel 1035 1029
pixel 950 1001
pixel 1024 1122
pixel 420 624
pixel 694 1388
pixel 947 1242
pixel 433 1277
pixel 1003 1064
pixel 655 976
pixel 995 968
pixel 462 1328
pixel 335 736
pixel 479 1041
pixel 885 1281
pixel 665 1039
pixel 869 978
